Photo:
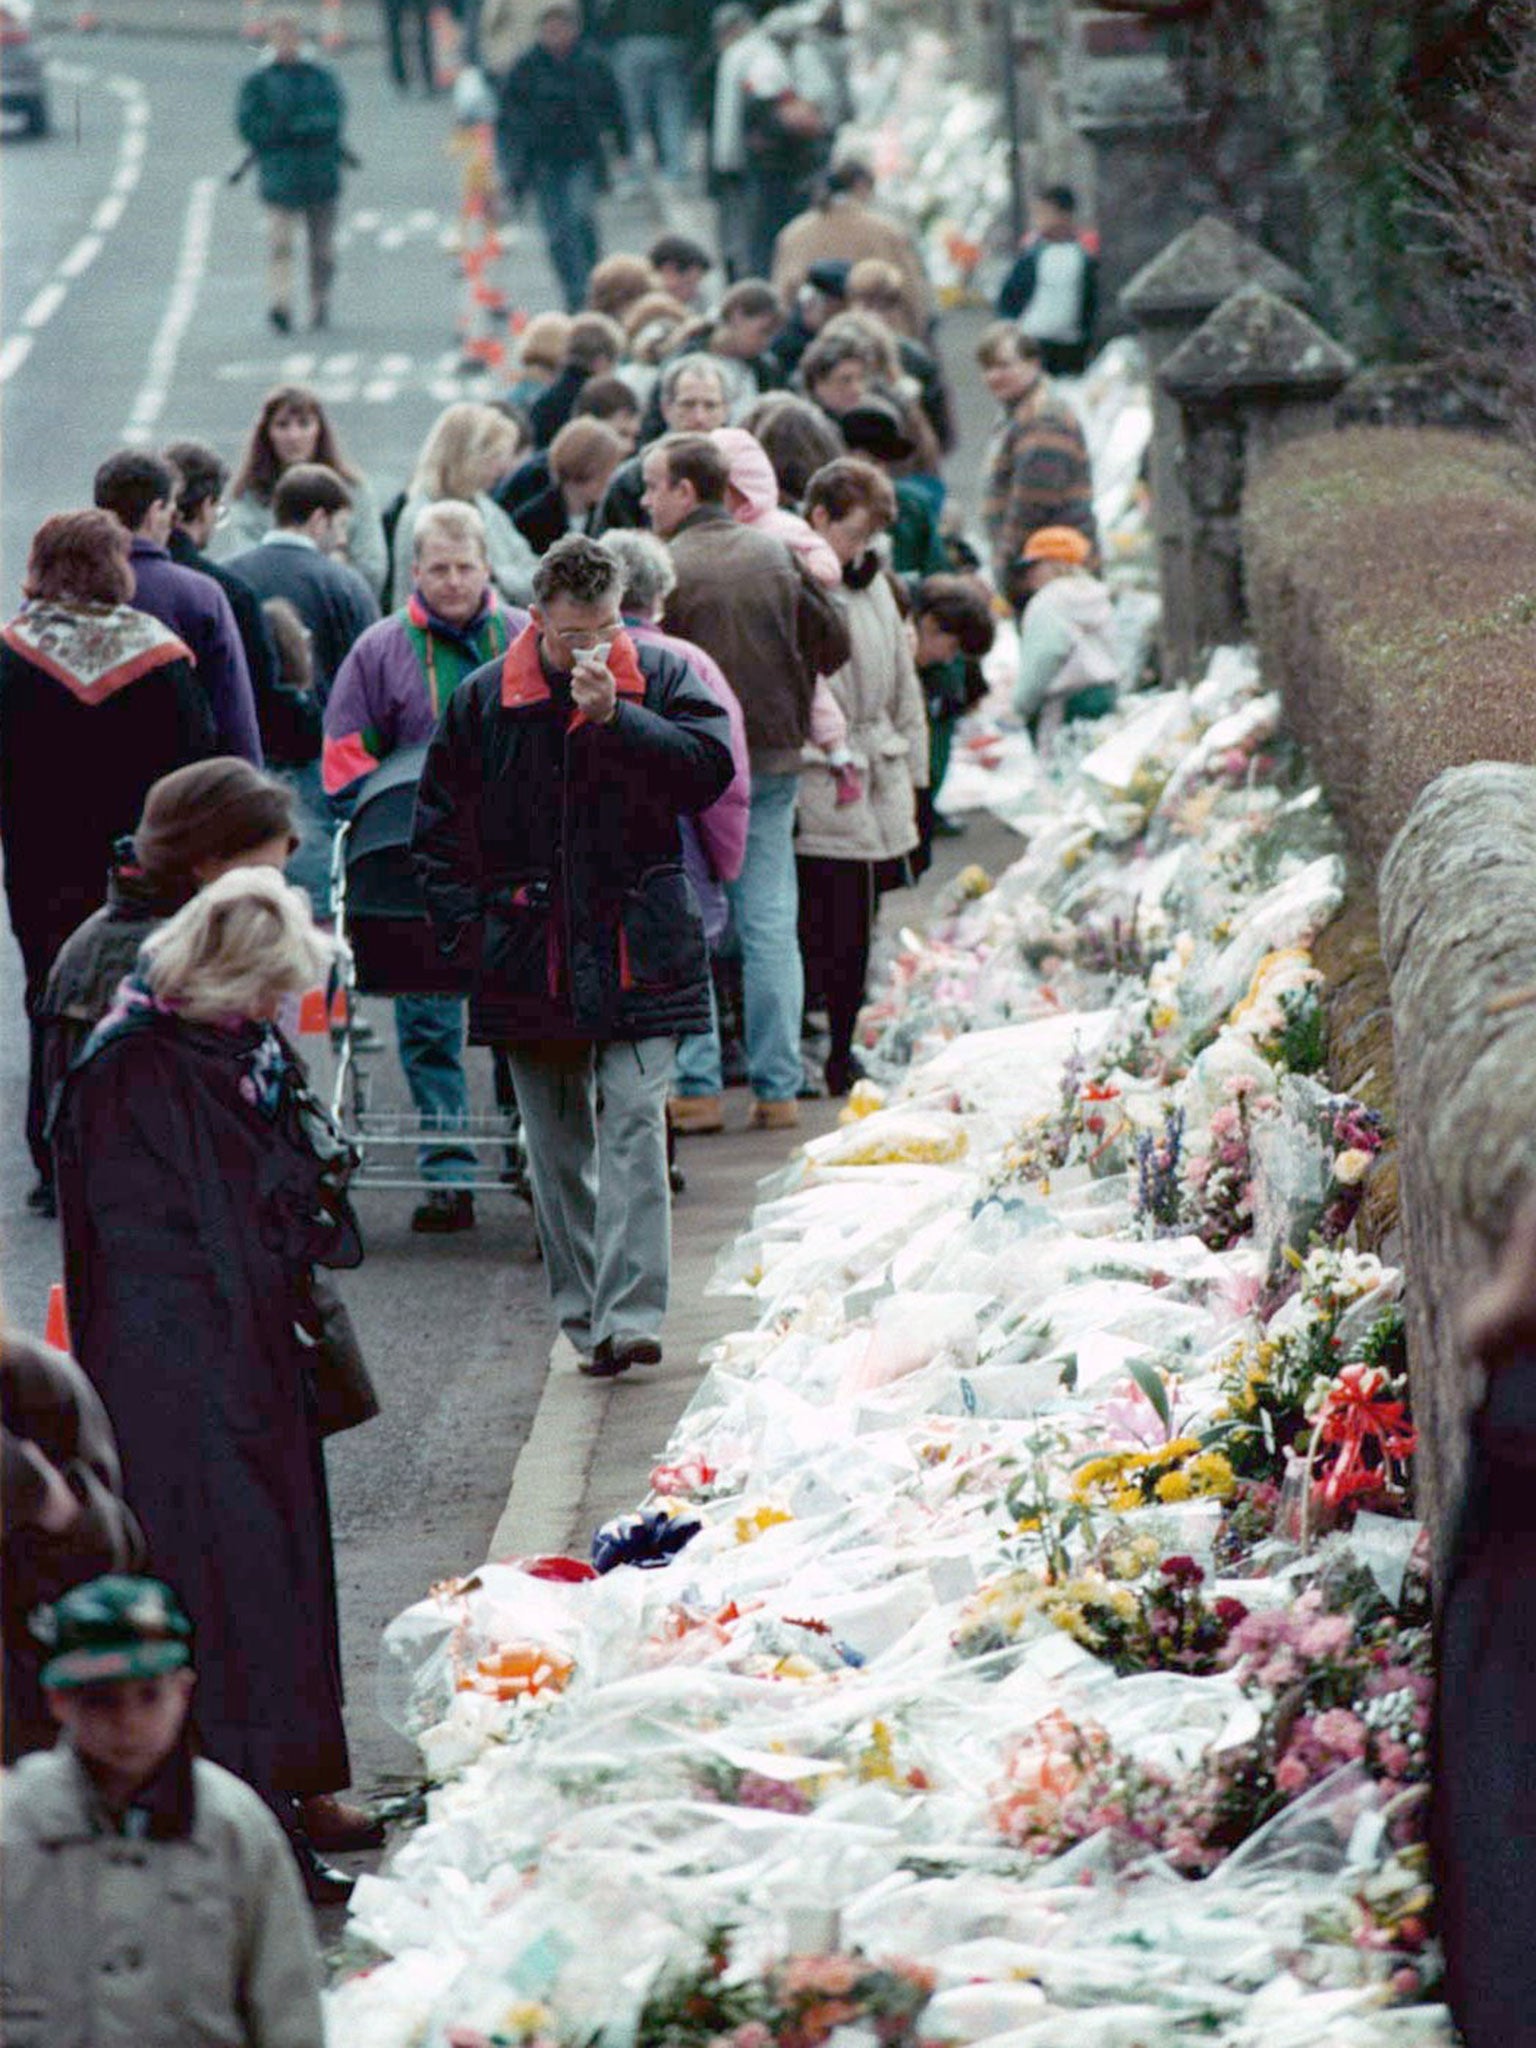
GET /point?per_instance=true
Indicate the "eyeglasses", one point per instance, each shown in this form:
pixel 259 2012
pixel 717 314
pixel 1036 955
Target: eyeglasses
pixel 221 513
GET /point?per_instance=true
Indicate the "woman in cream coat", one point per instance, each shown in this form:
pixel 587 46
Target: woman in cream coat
pixel 856 822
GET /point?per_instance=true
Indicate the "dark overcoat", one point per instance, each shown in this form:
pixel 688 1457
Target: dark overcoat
pixel 551 853
pixel 1484 1811
pixel 195 1205
pixel 291 117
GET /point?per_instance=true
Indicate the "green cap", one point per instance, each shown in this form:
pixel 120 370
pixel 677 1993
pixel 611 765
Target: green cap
pixel 113 1627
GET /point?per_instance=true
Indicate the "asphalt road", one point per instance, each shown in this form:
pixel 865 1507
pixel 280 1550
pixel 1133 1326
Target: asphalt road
pixel 133 307
pixel 133 300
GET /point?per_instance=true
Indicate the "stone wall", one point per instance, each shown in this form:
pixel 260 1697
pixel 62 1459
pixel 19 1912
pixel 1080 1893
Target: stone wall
pixel 1458 928
pixel 1391 592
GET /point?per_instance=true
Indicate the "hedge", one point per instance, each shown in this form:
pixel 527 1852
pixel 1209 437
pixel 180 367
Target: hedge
pixel 1391 583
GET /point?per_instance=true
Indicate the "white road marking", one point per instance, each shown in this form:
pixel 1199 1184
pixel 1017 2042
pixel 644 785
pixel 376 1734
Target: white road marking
pixel 81 257
pixel 339 366
pixel 45 305
pixel 126 175
pixel 296 367
pixel 380 391
pixel 395 366
pixel 196 234
pixel 13 354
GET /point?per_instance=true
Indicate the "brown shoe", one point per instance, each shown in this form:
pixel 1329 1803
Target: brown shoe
pixel 696 1116
pixel 774 1116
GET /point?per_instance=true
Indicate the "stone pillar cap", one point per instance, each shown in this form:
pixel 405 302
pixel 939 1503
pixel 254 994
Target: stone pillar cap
pixel 1199 269
pixel 1255 342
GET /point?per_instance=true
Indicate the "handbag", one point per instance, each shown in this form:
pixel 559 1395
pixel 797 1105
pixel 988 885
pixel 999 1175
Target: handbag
pixel 344 1393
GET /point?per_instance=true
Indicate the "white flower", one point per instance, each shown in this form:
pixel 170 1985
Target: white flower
pixel 1351 1167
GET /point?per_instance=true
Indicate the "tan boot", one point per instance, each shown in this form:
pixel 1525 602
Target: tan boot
pixel 696 1116
pixel 774 1116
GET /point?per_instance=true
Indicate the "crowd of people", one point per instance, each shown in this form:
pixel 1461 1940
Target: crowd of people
pixel 681 631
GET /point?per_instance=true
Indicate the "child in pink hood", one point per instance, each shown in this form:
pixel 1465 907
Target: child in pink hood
pixel 752 496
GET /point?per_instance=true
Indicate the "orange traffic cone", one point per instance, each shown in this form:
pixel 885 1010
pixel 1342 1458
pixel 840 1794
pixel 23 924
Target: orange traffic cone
pixel 56 1324
pixel 312 1018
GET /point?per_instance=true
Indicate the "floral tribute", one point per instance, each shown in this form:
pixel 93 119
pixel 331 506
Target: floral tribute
pixel 1033 1589
pixel 797 2003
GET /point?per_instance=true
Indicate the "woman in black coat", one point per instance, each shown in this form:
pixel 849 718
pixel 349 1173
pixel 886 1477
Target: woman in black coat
pixel 1483 1826
pixel 97 701
pixel 200 1184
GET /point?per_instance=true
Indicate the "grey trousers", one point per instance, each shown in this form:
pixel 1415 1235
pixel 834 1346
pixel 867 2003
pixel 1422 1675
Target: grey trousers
pixel 596 1138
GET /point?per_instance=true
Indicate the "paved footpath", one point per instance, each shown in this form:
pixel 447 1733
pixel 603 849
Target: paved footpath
pixel 590 1451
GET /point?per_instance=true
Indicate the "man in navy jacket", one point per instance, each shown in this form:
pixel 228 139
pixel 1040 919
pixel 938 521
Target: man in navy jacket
pixel 548 837
pixel 139 490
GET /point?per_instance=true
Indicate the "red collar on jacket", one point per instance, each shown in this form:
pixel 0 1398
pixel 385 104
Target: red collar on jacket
pixel 522 673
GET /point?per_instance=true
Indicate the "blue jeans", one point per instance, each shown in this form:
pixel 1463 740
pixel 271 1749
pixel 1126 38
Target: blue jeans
pixel 429 1031
pixel 315 823
pixel 765 906
pixel 566 196
pixel 652 72
pixel 697 1068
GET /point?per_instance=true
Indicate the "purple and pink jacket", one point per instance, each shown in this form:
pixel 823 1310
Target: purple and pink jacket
pixel 715 842
pixel 396 681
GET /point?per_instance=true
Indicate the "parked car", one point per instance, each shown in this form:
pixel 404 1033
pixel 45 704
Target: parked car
pixel 23 85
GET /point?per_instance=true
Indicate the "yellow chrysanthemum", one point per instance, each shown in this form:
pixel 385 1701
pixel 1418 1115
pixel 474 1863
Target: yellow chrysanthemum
pixel 1212 1473
pixel 1174 1486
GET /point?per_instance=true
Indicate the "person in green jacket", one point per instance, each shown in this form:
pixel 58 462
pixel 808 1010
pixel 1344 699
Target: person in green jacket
pixel 290 116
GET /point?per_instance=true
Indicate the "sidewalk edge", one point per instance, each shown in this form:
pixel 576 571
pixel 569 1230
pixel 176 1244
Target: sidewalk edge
pixel 549 1478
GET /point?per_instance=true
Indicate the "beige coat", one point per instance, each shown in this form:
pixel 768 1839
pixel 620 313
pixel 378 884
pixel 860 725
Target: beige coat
pixel 882 701
pixel 846 231
pixel 204 1942
pixel 506 29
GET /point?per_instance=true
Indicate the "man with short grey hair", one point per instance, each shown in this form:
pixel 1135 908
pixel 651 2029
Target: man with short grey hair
pixel 389 694
pixel 694 400
pixel 548 835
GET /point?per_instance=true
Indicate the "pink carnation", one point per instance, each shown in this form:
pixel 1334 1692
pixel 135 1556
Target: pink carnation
pixel 1342 1732
pixel 1291 1774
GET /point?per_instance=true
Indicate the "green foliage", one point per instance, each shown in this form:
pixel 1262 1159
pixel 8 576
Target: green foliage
pixel 1350 101
pixel 1304 1040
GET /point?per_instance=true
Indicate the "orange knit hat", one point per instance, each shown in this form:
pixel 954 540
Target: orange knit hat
pixel 1059 544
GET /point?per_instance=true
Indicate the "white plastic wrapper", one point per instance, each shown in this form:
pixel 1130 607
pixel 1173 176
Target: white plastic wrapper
pixel 806 1725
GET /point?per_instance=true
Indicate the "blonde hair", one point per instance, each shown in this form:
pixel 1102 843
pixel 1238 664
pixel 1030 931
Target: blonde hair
pixel 542 345
pixel 872 336
pixel 458 523
pixel 243 941
pixel 876 286
pixel 451 458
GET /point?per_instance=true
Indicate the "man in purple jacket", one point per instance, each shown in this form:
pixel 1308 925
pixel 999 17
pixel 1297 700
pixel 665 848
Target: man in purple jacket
pixel 139 490
pixel 389 694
